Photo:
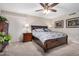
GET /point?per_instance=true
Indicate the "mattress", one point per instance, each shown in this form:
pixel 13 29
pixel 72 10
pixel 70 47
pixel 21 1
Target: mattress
pixel 43 35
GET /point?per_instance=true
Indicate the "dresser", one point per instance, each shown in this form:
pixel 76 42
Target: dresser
pixel 4 27
pixel 27 37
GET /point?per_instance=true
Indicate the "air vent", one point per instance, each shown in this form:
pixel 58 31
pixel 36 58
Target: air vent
pixel 72 13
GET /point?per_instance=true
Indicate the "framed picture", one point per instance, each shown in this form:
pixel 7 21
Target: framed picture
pixel 59 24
pixel 72 22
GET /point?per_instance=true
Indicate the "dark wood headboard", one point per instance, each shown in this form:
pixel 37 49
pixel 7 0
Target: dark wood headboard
pixel 37 26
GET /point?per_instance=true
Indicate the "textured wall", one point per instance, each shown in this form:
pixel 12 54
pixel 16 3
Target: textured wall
pixel 73 33
pixel 17 23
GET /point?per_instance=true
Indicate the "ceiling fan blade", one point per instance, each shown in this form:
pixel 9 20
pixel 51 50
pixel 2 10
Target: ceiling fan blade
pixel 53 10
pixel 46 4
pixel 39 10
pixel 42 5
pixel 54 4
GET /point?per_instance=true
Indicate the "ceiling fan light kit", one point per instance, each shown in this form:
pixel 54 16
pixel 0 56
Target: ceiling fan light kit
pixel 47 8
pixel 46 11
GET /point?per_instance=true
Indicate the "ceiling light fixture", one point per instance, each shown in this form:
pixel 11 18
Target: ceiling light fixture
pixel 46 11
pixel 46 7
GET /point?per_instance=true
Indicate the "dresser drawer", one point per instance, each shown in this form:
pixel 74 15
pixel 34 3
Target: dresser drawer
pixel 27 37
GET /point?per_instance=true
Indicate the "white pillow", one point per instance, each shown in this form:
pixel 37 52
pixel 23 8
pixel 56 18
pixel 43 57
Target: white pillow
pixel 39 30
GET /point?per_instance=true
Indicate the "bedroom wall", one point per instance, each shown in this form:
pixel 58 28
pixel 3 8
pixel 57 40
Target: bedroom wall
pixel 73 33
pixel 17 23
pixel 0 10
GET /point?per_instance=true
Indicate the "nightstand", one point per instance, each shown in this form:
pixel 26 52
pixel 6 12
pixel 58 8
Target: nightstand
pixel 27 37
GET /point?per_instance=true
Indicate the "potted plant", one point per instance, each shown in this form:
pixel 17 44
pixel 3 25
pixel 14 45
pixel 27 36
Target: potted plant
pixel 3 19
pixel 4 40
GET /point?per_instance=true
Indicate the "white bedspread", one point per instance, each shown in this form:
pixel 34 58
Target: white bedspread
pixel 43 36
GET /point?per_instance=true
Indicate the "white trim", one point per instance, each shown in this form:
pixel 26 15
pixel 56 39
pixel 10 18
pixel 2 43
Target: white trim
pixel 19 14
pixel 75 42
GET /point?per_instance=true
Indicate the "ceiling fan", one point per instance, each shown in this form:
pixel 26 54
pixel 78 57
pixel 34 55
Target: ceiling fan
pixel 47 7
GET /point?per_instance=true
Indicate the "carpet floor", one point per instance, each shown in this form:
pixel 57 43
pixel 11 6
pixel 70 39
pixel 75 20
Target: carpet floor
pixel 32 49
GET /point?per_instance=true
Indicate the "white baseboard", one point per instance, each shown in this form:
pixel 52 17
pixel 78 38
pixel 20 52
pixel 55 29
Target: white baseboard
pixel 15 41
pixel 77 42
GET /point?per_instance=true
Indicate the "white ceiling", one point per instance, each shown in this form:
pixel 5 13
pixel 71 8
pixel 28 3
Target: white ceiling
pixel 29 8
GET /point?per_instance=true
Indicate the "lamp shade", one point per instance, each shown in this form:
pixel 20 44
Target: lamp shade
pixel 26 25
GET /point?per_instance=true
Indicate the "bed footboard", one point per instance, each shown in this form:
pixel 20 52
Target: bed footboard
pixel 55 42
pixel 51 43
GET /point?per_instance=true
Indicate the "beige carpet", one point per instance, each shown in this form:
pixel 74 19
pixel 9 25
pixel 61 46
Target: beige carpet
pixel 32 49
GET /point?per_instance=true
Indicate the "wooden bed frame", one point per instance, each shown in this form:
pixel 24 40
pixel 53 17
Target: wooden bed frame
pixel 49 43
